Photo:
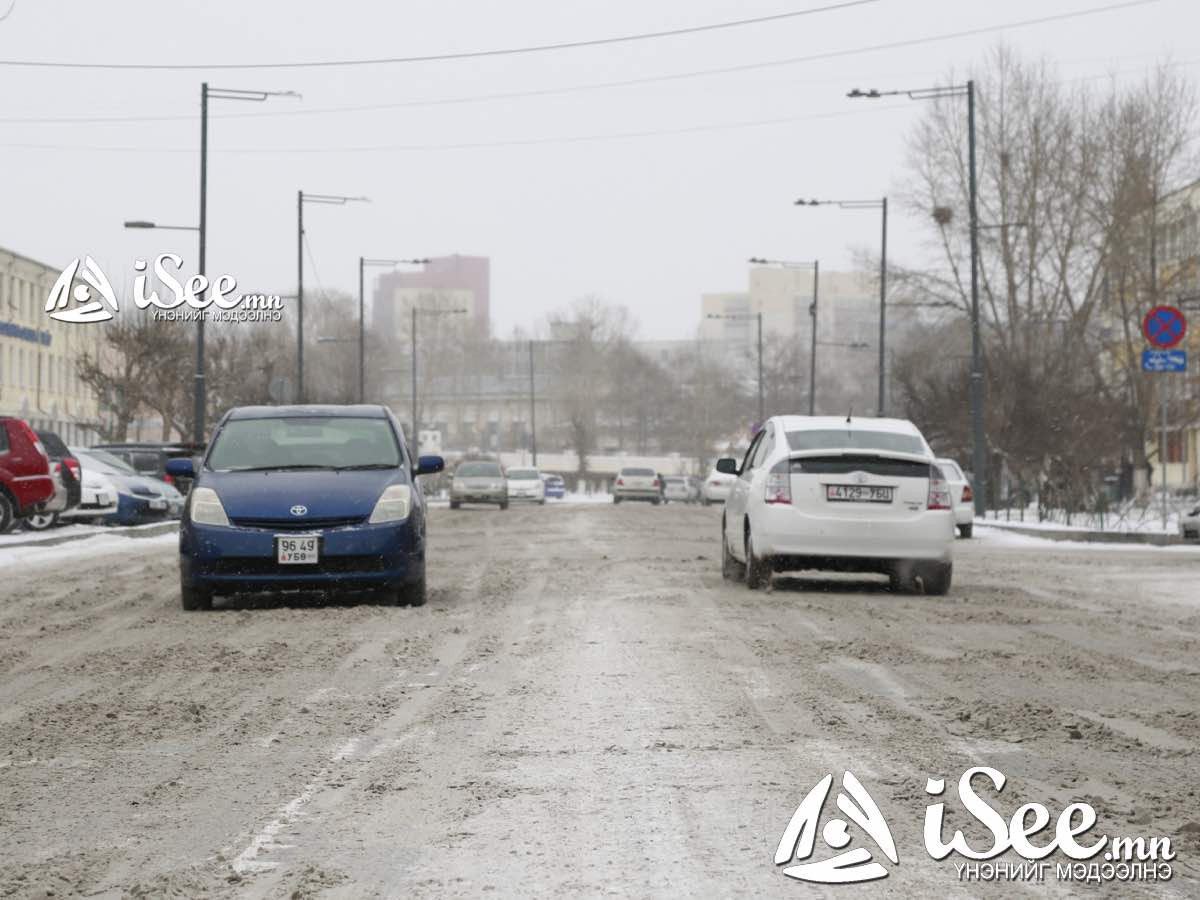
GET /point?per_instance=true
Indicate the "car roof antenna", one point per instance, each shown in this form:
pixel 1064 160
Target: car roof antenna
pixel 849 414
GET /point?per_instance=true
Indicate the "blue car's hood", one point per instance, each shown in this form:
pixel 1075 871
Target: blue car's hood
pixel 325 494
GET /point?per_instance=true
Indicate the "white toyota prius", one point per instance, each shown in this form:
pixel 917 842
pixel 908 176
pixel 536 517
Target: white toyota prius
pixel 839 494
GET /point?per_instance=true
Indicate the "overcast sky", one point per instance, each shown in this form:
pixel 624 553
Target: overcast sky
pixel 649 221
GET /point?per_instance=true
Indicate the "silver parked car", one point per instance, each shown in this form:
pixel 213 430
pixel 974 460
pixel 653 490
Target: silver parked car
pixel 636 483
pixel 525 484
pixel 478 481
pixel 961 497
pixel 1189 524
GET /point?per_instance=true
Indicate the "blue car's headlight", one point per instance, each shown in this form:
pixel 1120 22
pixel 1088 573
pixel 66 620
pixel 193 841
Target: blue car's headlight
pixel 206 508
pixel 393 506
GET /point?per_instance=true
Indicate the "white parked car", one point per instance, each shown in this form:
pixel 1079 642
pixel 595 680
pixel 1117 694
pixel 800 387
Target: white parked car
pixel 961 495
pixel 1189 524
pixel 716 487
pixel 526 485
pixel 678 488
pixel 636 483
pixel 97 496
pixel 839 494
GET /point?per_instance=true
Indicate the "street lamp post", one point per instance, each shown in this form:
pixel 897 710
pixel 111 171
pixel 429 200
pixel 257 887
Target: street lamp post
pixel 216 94
pixel 815 265
pixel 413 335
pixel 363 262
pixel 882 205
pixel 979 451
pixel 532 409
pixel 301 199
pixel 757 317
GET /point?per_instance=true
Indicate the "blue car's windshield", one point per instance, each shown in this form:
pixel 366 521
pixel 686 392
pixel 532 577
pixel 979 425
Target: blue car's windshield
pixel 309 442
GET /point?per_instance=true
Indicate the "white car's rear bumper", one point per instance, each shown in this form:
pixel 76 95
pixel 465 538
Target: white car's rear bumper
pixel 784 531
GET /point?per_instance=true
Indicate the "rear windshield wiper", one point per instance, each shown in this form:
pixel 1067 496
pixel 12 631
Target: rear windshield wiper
pixel 363 466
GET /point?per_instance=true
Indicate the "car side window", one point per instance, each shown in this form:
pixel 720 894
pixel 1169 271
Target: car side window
pixel 3 437
pixel 766 448
pixel 752 455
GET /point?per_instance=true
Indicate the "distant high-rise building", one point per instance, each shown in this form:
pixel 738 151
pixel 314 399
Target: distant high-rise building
pixel 445 282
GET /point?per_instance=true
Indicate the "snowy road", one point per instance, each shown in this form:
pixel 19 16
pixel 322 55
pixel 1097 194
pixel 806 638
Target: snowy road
pixel 584 706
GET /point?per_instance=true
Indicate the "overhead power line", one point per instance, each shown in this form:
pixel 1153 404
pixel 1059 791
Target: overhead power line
pixel 445 57
pixel 473 145
pixel 594 86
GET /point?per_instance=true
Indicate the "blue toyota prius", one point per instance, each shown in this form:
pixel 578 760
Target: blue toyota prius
pixel 304 498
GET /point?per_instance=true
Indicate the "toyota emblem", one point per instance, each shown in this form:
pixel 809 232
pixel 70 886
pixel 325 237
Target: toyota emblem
pixel 860 477
pixel 299 510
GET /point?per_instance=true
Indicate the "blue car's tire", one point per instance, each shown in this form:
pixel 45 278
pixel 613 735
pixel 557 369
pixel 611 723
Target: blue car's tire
pixel 193 598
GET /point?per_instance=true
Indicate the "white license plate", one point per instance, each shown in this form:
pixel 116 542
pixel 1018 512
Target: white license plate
pixel 158 504
pixel 858 493
pixel 293 551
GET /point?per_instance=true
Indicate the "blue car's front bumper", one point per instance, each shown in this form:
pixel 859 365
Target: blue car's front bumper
pixel 242 559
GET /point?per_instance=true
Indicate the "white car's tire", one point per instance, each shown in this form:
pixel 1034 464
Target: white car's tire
pixel 758 571
pixel 731 568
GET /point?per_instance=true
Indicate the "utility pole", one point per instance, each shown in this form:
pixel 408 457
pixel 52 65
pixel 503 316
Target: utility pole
pixel 761 412
pixel 413 335
pixel 362 338
pixel 532 409
pixel 300 296
pixel 199 393
pixel 883 311
pixel 979 442
pixel 812 357
pixel 301 199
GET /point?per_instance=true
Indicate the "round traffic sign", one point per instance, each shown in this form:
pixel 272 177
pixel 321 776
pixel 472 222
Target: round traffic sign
pixel 1164 326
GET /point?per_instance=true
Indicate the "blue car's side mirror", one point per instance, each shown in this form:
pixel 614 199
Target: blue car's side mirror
pixel 429 465
pixel 181 467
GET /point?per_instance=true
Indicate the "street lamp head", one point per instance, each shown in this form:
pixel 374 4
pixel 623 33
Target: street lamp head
pixel 803 202
pixel 757 261
pixel 139 223
pixel 858 92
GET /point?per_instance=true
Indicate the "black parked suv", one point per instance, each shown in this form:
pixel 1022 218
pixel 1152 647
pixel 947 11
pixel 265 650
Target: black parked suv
pixel 149 458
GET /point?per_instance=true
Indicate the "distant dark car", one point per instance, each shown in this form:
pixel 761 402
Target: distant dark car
pixel 149 458
pixel 556 488
pixel 26 484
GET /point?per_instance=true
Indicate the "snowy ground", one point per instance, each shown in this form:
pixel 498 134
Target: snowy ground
pixel 584 707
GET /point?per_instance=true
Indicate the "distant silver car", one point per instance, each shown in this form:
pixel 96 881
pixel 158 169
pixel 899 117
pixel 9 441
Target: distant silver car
pixel 1189 524
pixel 525 484
pixel 478 481
pixel 637 483
pixel 961 497
pixel 681 489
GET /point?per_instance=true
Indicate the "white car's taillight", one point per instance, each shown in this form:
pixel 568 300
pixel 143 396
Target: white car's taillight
pixel 393 506
pixel 206 507
pixel 779 483
pixel 939 491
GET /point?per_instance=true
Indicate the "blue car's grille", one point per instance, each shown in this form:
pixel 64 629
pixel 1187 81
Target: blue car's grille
pixel 265 565
pixel 308 523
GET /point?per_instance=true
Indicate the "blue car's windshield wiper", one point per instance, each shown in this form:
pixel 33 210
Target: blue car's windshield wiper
pixel 363 466
pixel 275 468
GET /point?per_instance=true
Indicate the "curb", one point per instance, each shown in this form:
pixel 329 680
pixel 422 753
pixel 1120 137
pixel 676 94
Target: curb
pixel 131 532
pixel 1096 537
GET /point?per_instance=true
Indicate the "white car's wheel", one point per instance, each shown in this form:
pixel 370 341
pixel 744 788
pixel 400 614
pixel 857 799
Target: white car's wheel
pixel 731 569
pixel 758 571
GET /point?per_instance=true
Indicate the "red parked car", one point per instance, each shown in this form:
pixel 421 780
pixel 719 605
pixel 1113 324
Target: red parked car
pixel 25 481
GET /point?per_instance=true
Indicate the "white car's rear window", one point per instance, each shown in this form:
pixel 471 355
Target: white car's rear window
pixel 854 439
